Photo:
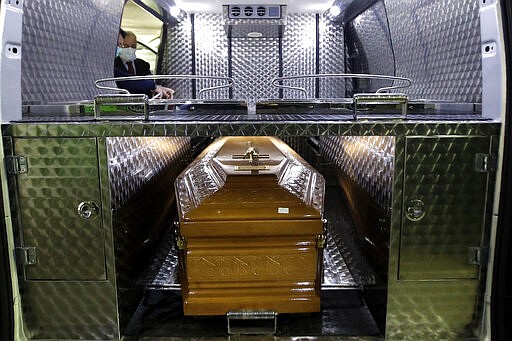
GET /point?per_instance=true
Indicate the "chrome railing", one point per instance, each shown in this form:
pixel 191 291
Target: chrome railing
pixel 230 81
pixel 407 81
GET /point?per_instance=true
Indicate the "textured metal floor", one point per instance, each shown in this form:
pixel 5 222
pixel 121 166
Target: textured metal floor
pixel 212 116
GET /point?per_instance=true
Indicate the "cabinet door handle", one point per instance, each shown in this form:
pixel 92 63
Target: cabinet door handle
pixel 415 210
pixel 88 209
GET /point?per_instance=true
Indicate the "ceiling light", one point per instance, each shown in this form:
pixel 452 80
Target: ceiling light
pixel 335 10
pixel 318 6
pixel 175 11
pixel 194 7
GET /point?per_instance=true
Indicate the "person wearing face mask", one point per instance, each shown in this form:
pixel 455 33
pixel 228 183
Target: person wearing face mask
pixel 127 64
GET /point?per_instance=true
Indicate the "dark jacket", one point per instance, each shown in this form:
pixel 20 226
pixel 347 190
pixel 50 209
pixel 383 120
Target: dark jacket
pixel 134 87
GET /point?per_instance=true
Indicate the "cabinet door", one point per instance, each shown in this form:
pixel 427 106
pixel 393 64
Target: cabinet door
pixel 444 207
pixel 62 176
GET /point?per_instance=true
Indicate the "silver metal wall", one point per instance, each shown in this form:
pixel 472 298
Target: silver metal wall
pixel 437 44
pixel 70 292
pixel 177 57
pixel 299 53
pixel 66 46
pixel 134 162
pixel 211 46
pixel 141 172
pixel 332 58
pixel 370 49
pixel 253 63
pixel 367 160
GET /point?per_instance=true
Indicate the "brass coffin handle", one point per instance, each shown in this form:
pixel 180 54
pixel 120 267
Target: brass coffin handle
pixel 415 210
pixel 88 209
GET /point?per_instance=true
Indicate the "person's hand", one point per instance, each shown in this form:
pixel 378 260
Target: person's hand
pixel 165 93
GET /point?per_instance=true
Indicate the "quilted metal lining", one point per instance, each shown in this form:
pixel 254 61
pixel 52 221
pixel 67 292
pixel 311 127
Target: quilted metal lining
pixel 134 161
pixel 299 51
pixel 255 64
pixel 332 58
pixel 67 45
pixel 370 49
pixel 437 44
pixel 211 46
pixel 177 57
pixel 368 160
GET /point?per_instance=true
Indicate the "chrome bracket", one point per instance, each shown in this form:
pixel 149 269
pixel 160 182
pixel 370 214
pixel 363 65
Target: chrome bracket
pixel 474 255
pixel 320 241
pixel 181 242
pixel 16 164
pixel 27 255
pixel 322 238
pixel 252 322
pixel 381 99
pixel 415 210
pixel 484 163
pixel 121 107
pixel 87 209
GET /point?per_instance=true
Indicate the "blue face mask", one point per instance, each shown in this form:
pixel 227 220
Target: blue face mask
pixel 118 51
pixel 127 54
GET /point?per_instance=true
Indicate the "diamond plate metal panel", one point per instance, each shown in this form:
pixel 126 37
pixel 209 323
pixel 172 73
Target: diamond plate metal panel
pixel 162 270
pixel 67 45
pixel 177 57
pixel 332 58
pixel 62 173
pixel 369 46
pixel 440 172
pixel 437 45
pixel 250 128
pixel 142 171
pixel 255 62
pixel 368 160
pixel 299 53
pixel 211 46
pixel 135 161
pixel 432 310
pixel 70 309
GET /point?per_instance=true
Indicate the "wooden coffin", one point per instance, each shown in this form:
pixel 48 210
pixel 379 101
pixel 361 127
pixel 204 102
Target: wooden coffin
pixel 250 230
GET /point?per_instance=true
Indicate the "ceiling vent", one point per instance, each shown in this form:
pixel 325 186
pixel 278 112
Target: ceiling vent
pixel 254 21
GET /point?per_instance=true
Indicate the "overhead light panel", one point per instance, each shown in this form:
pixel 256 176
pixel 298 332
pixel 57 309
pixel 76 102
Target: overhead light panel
pixel 335 10
pixel 175 11
pixel 195 7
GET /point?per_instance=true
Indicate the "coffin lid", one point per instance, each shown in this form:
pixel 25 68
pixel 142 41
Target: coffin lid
pixel 221 185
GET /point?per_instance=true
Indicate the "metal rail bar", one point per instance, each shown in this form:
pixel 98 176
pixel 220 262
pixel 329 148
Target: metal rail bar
pixel 407 81
pixel 230 81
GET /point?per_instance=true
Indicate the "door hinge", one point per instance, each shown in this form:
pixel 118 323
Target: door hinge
pixel 16 164
pixel 26 255
pixel 485 163
pixel 474 255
